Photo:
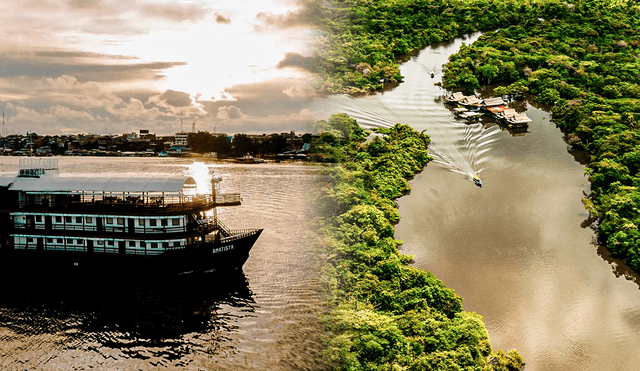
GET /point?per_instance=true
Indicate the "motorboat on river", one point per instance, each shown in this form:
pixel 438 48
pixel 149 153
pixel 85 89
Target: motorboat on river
pixel 477 181
pixel 115 222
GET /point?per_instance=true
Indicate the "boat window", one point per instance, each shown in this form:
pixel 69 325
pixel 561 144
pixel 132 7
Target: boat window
pixel 89 220
pixel 79 219
pixel 164 222
pixel 49 240
pixel 109 242
pixel 176 244
pixel 69 241
pixel 175 221
pixel 153 222
pixel 38 218
pixel 165 245
pixel 132 243
pixel 99 242
pixel 109 220
pixel 30 239
pixel 59 240
pixel 58 219
pixel 120 221
pixel 154 245
pixel 143 244
pixel 141 222
pixel 68 219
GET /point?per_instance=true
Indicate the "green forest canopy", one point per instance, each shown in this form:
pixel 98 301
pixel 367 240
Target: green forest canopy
pixel 580 56
pixel 387 315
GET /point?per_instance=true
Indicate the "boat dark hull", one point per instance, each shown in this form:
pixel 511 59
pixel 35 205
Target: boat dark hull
pixel 213 256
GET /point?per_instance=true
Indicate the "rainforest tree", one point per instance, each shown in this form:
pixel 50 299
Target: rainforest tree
pixel 585 63
pixel 387 314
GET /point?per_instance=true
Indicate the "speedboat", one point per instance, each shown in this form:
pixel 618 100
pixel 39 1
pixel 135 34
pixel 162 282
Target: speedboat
pixel 477 181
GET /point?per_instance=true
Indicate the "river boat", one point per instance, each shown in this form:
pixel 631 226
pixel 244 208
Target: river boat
pixel 477 180
pixel 248 159
pixel 454 98
pixel 509 116
pixel 493 101
pixel 519 119
pixel 467 115
pixel 115 224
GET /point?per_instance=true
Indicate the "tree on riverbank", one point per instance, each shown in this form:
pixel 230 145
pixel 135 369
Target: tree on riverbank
pixel 585 63
pixel 582 57
pixel 363 40
pixel 386 314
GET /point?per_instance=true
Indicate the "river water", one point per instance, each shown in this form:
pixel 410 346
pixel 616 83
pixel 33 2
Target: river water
pixel 263 319
pixel 514 249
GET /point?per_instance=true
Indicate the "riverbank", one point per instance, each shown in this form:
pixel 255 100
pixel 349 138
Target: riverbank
pixel 583 63
pixel 363 41
pixel 387 314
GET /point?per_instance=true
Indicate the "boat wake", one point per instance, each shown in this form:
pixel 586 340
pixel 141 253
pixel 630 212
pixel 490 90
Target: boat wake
pixel 459 146
pixel 467 155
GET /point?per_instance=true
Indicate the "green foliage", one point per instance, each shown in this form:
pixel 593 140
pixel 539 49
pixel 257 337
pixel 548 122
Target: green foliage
pixel 377 32
pixel 386 314
pixel 204 142
pixel 584 61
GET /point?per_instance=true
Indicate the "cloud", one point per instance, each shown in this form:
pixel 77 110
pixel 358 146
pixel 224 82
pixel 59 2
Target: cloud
pixel 300 92
pixel 83 4
pixel 134 109
pixel 175 12
pixel 229 113
pixel 280 21
pixel 66 113
pixel 176 98
pixel 222 18
pixel 293 121
pixel 295 60
pixel 50 63
pixel 74 54
pixel 123 9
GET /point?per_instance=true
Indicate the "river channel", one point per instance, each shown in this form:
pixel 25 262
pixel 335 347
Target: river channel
pixel 513 249
pixel 264 319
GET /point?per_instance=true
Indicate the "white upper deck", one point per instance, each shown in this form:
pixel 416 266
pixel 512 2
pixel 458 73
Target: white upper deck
pixel 46 179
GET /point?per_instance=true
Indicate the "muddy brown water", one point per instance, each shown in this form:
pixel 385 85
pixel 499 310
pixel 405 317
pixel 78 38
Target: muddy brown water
pixel 514 249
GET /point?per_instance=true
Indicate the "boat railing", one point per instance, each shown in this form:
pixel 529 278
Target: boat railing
pixel 239 234
pixel 204 226
pixel 133 204
pixel 62 244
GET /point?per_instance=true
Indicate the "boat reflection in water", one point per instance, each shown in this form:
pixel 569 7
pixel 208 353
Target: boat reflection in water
pixel 165 323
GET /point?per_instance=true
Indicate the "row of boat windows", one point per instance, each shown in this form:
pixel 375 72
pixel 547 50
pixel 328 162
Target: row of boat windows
pixel 58 219
pixel 109 243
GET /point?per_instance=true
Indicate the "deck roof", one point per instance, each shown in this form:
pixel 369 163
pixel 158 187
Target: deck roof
pixel 494 101
pixel 100 183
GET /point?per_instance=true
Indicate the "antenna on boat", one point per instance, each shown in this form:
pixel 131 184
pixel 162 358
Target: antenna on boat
pixel 215 180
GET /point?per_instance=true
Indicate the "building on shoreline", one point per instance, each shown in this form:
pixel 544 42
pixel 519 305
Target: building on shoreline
pixel 144 143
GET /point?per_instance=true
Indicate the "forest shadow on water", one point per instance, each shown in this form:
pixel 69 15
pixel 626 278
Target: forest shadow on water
pixel 49 319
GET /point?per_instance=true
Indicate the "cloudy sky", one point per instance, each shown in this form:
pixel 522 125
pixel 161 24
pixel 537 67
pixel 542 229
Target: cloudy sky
pixel 115 66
